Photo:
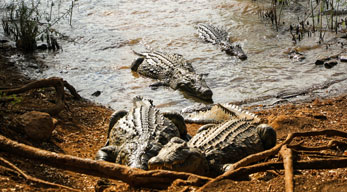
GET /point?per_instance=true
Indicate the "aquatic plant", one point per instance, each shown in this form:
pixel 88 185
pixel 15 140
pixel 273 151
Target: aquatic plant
pixel 26 23
pixel 319 16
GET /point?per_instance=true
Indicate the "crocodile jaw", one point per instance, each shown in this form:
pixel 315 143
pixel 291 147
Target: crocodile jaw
pixel 233 50
pixel 177 156
pixel 192 84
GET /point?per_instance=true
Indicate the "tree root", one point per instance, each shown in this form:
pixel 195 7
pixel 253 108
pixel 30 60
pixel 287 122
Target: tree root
pixel 265 154
pixel 132 176
pixel 57 83
pixel 239 168
pixel 332 143
pixel 33 179
pixel 287 156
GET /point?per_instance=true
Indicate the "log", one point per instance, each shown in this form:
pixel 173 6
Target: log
pixel 287 156
pixel 132 176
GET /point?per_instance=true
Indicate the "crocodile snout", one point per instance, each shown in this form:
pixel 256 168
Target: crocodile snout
pixel 207 94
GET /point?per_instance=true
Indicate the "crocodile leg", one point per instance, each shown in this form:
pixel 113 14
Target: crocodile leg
pixel 155 86
pixel 267 135
pixel 135 65
pixel 114 118
pixel 107 153
pixel 178 120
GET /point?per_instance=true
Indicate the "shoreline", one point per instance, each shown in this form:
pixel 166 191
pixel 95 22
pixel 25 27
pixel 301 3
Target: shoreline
pixel 81 130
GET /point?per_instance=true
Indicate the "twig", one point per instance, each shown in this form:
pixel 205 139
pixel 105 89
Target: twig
pixel 287 156
pixel 265 154
pixel 260 167
pixel 331 144
pixel 33 179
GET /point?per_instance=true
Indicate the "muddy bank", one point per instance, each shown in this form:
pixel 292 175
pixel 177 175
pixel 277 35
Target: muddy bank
pixel 81 130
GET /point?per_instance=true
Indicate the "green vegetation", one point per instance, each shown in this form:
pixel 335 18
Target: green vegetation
pixel 13 99
pixel 25 23
pixel 319 16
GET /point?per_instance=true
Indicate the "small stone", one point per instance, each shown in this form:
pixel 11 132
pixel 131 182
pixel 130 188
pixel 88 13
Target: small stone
pixel 96 93
pixel 37 125
pixel 343 57
pixel 42 47
pixel 330 64
pixel 321 60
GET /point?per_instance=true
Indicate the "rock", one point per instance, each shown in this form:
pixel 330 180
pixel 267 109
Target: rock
pixel 322 60
pixel 96 93
pixel 42 47
pixel 330 64
pixel 37 125
pixel 343 57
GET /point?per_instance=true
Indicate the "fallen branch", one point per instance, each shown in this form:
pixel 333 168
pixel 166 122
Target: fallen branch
pixel 33 179
pixel 57 83
pixel 132 176
pixel 287 156
pixel 265 154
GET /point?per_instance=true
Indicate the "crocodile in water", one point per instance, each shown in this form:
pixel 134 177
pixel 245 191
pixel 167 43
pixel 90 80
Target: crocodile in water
pixel 174 71
pixel 220 37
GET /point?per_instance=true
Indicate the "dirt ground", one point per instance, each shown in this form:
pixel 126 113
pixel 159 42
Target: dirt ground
pixel 81 131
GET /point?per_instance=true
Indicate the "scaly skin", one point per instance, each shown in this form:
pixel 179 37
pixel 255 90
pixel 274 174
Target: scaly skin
pixel 136 136
pixel 220 37
pixel 174 71
pixel 215 146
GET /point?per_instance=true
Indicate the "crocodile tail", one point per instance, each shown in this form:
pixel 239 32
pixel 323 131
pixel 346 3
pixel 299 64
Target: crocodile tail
pixel 138 53
pixel 237 112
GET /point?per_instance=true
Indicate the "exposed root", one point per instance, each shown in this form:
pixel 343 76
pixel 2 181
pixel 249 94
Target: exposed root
pixel 287 156
pixel 33 179
pixel 57 83
pixel 265 154
pixel 239 169
pixel 332 144
pixel 132 176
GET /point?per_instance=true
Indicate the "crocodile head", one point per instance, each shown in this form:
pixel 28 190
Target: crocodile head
pixel 136 155
pixel 267 135
pixel 191 83
pixel 233 50
pixel 177 156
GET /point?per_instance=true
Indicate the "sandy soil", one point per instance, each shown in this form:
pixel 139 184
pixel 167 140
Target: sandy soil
pixel 81 131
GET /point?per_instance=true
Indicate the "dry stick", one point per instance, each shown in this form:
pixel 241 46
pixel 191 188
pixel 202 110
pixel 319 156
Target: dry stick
pixel 331 144
pixel 132 176
pixel 306 164
pixel 33 179
pixel 57 83
pixel 265 154
pixel 287 156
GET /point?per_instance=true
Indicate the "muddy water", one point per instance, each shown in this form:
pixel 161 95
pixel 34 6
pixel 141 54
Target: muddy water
pixel 104 33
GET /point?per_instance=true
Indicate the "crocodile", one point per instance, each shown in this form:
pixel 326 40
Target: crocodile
pixel 215 113
pixel 215 147
pixel 220 37
pixel 172 70
pixel 134 137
